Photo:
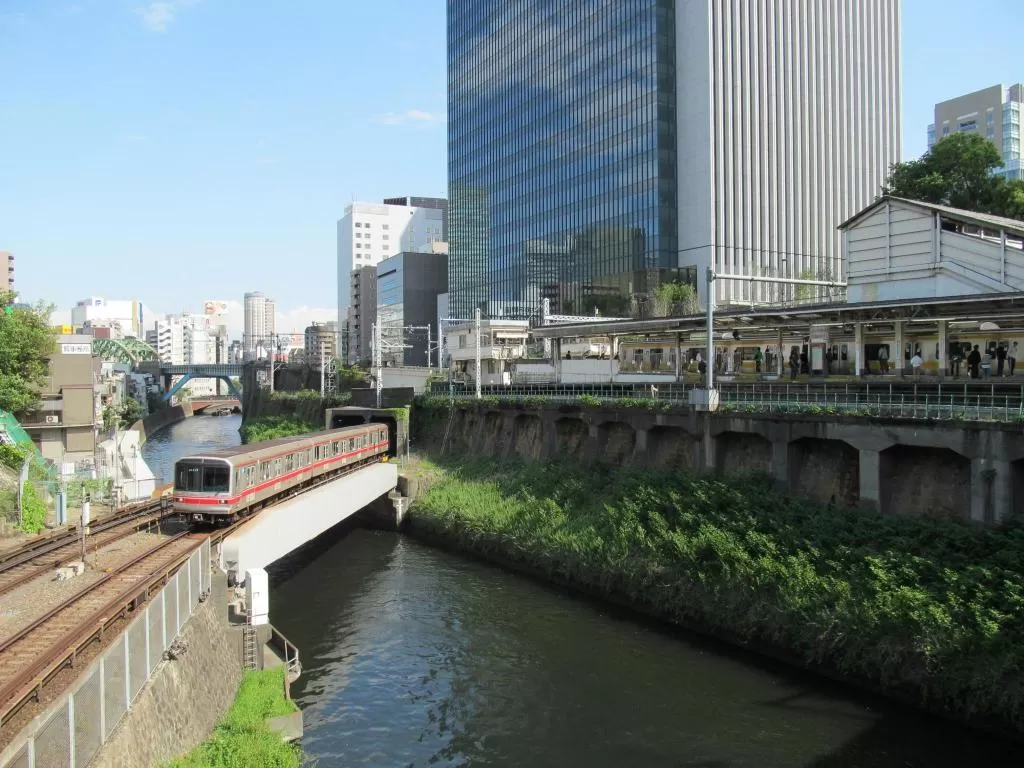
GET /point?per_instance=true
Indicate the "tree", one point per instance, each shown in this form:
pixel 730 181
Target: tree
pixel 959 171
pixel 130 412
pixel 675 299
pixel 26 346
pixel 109 418
pixel 349 376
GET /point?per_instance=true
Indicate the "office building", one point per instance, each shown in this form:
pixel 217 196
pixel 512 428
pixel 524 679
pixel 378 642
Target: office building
pixel 362 314
pixel 408 285
pixel 260 326
pixel 598 150
pixel 321 343
pixel 994 113
pixel 64 425
pixel 119 319
pixel 368 233
pixel 9 258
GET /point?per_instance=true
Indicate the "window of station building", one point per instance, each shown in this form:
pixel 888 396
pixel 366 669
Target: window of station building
pixel 462 341
pixel 359 224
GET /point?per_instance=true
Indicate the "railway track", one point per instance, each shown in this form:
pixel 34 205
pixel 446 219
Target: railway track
pixel 27 563
pixel 33 656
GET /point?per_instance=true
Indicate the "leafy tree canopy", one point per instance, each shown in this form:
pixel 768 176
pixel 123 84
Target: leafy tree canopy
pixel 26 346
pixel 959 171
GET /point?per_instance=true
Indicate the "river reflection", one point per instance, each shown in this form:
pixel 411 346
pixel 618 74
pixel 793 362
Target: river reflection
pixel 416 657
pixel 192 435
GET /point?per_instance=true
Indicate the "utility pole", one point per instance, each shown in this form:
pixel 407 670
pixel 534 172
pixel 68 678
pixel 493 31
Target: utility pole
pixel 377 365
pixel 479 371
pixel 323 369
pixel 117 464
pixel 84 522
pixel 429 342
pixel 273 351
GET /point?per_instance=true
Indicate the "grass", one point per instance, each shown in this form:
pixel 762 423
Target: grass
pixel 242 740
pixel 272 427
pixel 930 611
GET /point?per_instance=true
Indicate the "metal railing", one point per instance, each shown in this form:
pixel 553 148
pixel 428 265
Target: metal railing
pixel 83 719
pixel 968 402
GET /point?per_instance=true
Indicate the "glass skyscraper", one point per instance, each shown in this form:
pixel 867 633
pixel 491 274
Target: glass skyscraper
pixel 599 149
pixel 562 160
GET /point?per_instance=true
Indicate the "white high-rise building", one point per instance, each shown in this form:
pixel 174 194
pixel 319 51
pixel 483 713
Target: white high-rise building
pixel 368 233
pixel 260 325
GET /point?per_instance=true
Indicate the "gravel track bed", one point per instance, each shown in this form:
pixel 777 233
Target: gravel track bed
pixel 24 605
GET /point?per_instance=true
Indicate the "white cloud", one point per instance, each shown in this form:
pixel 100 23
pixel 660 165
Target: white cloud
pixel 295 320
pixel 157 16
pixel 409 117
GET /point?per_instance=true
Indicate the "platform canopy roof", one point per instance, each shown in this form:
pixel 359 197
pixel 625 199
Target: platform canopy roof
pixel 974 308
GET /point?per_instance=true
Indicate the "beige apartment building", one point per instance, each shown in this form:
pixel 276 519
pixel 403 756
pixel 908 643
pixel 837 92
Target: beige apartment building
pixel 64 428
pixel 9 259
pixel 995 113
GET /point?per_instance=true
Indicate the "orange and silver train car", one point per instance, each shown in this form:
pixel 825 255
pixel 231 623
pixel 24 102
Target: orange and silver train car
pixel 219 486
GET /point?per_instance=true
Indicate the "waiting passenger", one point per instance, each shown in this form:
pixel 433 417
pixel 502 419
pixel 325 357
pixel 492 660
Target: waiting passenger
pixel 915 364
pixel 973 363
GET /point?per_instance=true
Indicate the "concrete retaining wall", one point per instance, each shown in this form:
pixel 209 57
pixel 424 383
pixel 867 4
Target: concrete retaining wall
pixel 185 698
pixel 967 470
pixel 153 423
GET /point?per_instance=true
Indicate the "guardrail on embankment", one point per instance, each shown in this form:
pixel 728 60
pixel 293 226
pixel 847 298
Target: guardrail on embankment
pixel 80 720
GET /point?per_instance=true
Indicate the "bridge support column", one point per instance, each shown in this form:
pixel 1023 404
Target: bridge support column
pixel 991 491
pixel 870 479
pixel 780 464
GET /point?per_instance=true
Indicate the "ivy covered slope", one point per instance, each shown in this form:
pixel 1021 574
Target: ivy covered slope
pixel 929 611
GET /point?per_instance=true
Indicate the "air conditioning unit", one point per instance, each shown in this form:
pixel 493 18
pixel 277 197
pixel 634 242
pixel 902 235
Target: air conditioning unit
pixel 53 419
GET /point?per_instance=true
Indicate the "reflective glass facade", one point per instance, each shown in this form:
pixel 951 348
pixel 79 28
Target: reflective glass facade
pixel 562 155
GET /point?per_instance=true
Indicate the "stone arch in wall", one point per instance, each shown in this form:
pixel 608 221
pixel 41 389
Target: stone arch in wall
pixel 926 482
pixel 826 471
pixel 528 437
pixel 671 448
pixel 741 453
pixel 571 437
pixel 616 441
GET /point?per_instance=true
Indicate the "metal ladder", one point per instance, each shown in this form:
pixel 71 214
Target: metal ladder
pixel 249 645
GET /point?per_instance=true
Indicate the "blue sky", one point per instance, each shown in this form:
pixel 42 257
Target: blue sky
pixel 186 150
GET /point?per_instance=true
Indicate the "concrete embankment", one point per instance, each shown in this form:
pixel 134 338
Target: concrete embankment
pixel 187 696
pixel 153 423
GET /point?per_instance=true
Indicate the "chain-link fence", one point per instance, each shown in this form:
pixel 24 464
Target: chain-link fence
pixel 81 721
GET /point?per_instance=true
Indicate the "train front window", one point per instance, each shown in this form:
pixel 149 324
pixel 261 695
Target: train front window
pixel 216 478
pixel 188 476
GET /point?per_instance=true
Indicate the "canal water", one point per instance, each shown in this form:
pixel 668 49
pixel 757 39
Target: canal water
pixel 417 657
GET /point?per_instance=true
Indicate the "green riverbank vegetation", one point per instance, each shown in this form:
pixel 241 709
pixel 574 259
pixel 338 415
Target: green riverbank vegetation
pixel 930 612
pixel 283 414
pixel 242 740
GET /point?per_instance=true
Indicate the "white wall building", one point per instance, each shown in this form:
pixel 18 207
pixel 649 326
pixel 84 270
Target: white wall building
pixel 902 249
pixel 788 122
pixel 260 325
pixel 502 343
pixel 368 233
pixel 187 339
pixel 125 318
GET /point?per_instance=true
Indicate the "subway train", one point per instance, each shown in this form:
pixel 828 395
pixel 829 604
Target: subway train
pixel 218 487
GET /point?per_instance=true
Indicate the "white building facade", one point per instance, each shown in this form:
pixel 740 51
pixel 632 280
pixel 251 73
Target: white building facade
pixel 125 318
pixel 188 339
pixel 904 249
pixel 368 233
pixel 788 122
pixel 260 326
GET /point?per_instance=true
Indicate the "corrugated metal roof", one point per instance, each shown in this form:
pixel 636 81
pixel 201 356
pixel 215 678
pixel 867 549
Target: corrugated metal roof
pixel 986 220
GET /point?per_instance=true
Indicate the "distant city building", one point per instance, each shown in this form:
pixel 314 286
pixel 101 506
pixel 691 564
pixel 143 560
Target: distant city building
pixel 124 318
pixel 437 203
pixel 599 150
pixel 994 113
pixel 371 232
pixel 234 352
pixel 9 258
pixel 188 339
pixel 64 426
pixel 362 314
pixel 260 325
pixel 408 285
pixel 321 343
